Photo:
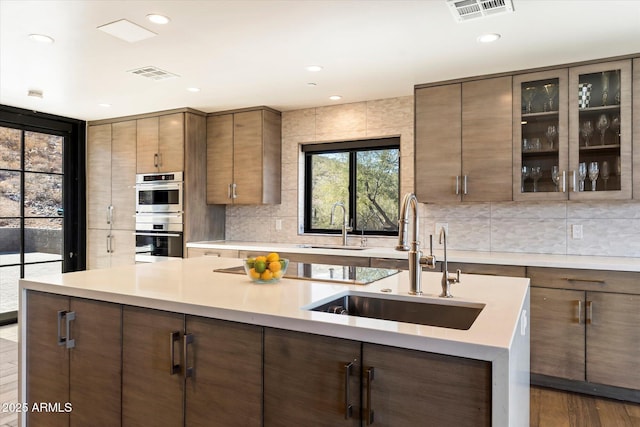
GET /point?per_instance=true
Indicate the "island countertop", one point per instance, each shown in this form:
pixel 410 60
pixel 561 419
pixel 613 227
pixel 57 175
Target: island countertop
pixel 500 334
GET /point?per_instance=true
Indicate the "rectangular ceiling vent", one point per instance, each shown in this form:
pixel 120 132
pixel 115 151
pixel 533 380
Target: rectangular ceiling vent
pixel 466 10
pixel 153 73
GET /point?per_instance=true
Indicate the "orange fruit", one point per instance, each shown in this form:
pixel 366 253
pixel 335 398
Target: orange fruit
pixel 261 258
pixel 266 275
pixel 275 266
pixel 277 274
pixel 254 274
pixel 273 256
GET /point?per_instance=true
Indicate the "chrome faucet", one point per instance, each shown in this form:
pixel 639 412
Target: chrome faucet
pixel 416 260
pixel 447 280
pixel 345 223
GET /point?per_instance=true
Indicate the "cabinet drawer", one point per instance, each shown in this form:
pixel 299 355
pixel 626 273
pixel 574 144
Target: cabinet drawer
pixel 588 280
pixel 398 264
pixel 487 269
pixel 224 253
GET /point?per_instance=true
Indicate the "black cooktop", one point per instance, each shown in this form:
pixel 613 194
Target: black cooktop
pixel 329 273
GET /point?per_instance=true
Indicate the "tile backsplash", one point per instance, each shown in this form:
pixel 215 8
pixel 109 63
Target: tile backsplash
pixel 608 228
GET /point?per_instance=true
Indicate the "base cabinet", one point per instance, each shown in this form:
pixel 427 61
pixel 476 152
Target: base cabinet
pixel 73 358
pixel 187 370
pixel 323 381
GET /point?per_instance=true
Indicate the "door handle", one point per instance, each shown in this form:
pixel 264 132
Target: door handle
pixel 155 160
pixel 348 407
pixel 234 195
pixel 188 370
pixel 457 185
pixel 66 340
pixel 564 181
pixel 173 367
pixel 579 312
pixel 464 185
pixel 589 312
pixel 369 414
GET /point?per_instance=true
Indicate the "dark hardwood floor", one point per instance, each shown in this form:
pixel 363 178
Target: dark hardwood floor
pixel 549 408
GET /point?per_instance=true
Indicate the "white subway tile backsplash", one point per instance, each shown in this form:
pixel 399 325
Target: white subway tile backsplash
pixel 610 237
pixel 531 210
pixel 546 236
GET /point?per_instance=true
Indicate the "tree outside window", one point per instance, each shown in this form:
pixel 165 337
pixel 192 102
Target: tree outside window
pixel 363 175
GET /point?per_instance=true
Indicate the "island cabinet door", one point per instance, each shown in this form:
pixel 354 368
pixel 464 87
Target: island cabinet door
pixel 47 362
pixel 310 380
pixel 414 388
pixel 73 361
pixel 152 380
pixel 224 373
pixel 558 333
pixel 613 338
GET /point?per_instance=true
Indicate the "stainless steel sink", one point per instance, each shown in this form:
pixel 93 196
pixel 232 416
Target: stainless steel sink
pixel 453 316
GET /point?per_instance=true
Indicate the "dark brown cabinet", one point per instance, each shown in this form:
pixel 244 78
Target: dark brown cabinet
pixel 73 357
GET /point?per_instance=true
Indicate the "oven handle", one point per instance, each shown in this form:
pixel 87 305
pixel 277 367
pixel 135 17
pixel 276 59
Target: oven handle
pixel 158 234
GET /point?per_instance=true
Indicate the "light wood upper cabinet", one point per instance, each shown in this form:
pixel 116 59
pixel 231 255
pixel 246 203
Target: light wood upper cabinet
pixel 636 128
pixel 463 141
pixel 160 144
pixel 123 174
pixel 243 157
pixel 99 176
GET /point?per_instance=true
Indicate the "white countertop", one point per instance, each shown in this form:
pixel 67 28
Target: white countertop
pixel 190 286
pixel 501 258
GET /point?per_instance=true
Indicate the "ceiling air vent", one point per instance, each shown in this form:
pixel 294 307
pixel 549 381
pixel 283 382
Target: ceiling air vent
pixel 153 73
pixel 466 10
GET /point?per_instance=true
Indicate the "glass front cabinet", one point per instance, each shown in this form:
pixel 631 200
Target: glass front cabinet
pixel 572 136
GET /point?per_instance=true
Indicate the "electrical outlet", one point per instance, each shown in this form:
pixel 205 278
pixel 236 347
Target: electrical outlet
pixel 278 224
pixel 439 226
pixel 576 231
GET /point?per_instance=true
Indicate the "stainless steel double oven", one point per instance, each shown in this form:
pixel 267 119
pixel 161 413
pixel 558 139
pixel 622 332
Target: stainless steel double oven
pixel 159 216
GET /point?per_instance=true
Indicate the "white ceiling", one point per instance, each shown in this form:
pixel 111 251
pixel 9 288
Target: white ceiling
pixel 247 53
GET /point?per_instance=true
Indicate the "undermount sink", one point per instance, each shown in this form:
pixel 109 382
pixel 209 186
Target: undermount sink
pixel 349 248
pixel 453 316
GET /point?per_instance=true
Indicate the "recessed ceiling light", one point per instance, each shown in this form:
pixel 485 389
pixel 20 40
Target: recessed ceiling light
pixel 488 38
pixel 335 97
pixel 314 68
pixel 41 38
pixel 158 19
pixel 104 104
pixel 193 89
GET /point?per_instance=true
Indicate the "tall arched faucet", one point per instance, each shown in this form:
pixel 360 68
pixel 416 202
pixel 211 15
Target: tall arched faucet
pixel 416 260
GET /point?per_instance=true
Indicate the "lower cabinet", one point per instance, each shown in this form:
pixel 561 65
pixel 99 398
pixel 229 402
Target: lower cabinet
pixel 187 370
pixel 584 326
pixel 73 357
pixel 323 381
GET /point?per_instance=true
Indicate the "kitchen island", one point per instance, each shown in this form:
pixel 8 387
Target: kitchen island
pixel 498 340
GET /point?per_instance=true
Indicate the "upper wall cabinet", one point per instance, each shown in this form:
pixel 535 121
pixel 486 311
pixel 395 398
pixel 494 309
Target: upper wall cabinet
pixel 243 157
pixel 160 144
pixel 572 136
pixel 636 128
pixel 463 142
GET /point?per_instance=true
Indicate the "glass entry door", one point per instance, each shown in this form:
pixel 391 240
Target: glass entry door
pixel 31 210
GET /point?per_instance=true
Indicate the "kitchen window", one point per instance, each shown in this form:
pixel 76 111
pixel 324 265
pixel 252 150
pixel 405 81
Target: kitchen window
pixel 362 175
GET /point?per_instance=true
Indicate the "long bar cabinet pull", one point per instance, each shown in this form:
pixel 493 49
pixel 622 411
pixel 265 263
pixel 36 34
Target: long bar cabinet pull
pixel 229 191
pixel 173 367
pixel 155 160
pixel 564 181
pixel 369 414
pixel 573 181
pixel 61 339
pixel 71 315
pixel 187 340
pixel 464 189
pixel 457 185
pixel 589 312
pixel 348 407
pixel 579 312
pixel 234 195
pixel 597 282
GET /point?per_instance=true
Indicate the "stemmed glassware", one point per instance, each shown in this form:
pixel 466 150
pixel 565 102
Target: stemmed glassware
pixel 615 127
pixel 555 176
pixel 526 171
pixel 605 87
pixel 536 174
pixel 586 130
pixel 593 174
pixel 552 131
pixel 550 90
pixel 529 95
pixel 602 125
pixel 605 173
pixel 582 175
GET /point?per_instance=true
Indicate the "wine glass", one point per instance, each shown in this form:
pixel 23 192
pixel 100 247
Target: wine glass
pixel 526 172
pixel 550 90
pixel 605 173
pixel 605 87
pixel 551 134
pixel 586 130
pixel 555 176
pixel 602 125
pixel 593 174
pixel 529 95
pixel 582 175
pixel 615 127
pixel 536 174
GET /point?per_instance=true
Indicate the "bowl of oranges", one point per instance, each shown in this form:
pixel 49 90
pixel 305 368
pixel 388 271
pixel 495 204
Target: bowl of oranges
pixel 266 269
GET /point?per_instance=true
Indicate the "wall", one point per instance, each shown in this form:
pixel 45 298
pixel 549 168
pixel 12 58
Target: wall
pixel 609 228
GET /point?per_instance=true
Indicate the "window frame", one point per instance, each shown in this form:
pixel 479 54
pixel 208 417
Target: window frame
pixel 353 148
